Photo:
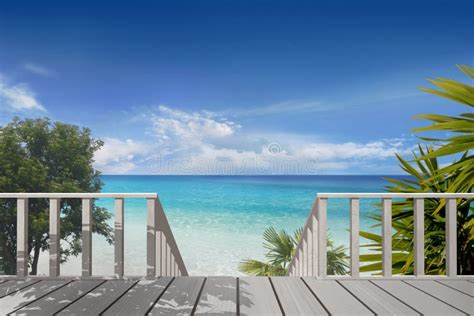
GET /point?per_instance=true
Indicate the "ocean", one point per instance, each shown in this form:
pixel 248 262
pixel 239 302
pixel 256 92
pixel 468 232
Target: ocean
pixel 218 220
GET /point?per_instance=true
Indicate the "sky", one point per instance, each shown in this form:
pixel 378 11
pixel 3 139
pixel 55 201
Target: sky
pixel 235 87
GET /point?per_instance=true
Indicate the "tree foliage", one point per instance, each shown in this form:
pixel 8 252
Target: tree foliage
pixel 41 156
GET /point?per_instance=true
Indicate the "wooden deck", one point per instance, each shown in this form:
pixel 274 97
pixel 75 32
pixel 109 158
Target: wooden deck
pixel 237 296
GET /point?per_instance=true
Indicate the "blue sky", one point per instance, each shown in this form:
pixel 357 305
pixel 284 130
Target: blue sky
pixel 241 87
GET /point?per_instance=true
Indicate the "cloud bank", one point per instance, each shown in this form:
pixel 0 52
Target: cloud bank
pixel 182 142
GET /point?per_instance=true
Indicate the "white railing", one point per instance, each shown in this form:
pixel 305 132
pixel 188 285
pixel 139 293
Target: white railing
pixel 163 256
pixel 310 257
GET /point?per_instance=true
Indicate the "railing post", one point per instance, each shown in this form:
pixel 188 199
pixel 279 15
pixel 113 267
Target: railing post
pixel 301 261
pixel 163 254
pixel 297 263
pixel 158 247
pixel 315 238
pixel 158 237
pixel 22 238
pixel 322 242
pixel 304 255
pixel 306 252
pixel 54 237
pixel 419 227
pixel 119 238
pixel 309 250
pixel 86 237
pixel 173 266
pixel 169 259
pixel 387 237
pixel 310 234
pixel 150 238
pixel 451 238
pixel 354 241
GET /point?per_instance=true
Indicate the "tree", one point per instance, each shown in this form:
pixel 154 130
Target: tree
pixel 41 156
pixel 281 248
pixel 428 176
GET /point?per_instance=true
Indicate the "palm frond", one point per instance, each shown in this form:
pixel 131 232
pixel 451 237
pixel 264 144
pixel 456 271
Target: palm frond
pixel 280 250
pixel 259 268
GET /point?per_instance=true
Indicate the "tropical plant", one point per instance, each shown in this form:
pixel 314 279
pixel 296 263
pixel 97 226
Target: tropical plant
pixel 281 247
pixel 337 259
pixel 462 126
pixel 428 176
pixel 435 238
pixel 40 156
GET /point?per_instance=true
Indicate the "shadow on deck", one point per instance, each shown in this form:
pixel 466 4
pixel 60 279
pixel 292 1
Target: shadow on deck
pixel 237 296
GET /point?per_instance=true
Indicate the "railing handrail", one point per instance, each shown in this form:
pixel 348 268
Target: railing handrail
pixel 78 195
pixel 310 258
pixel 163 255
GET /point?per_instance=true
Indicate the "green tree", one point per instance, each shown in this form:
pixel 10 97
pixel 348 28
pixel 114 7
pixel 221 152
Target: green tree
pixel 41 156
pixel 428 176
pixel 281 248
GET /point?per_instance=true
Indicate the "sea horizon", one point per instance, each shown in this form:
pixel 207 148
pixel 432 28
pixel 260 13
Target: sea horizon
pixel 253 175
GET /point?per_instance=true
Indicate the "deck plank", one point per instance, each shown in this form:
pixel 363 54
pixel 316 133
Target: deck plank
pixel 445 294
pixel 57 300
pixel 17 300
pixel 418 300
pixel 336 299
pixel 180 297
pixel 460 285
pixel 256 297
pixel 376 299
pixel 15 285
pixel 95 302
pixel 219 296
pixel 295 297
pixel 139 299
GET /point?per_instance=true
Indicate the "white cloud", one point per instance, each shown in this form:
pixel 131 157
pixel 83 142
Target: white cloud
pixel 171 124
pixel 208 143
pixel 38 69
pixel 119 156
pixel 272 158
pixel 18 97
pixel 293 106
pixel 350 150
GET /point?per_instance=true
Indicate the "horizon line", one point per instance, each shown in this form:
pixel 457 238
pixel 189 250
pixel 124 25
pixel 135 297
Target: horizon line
pixel 249 175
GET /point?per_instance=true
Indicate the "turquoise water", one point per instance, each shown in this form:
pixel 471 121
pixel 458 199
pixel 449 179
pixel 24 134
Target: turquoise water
pixel 218 220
